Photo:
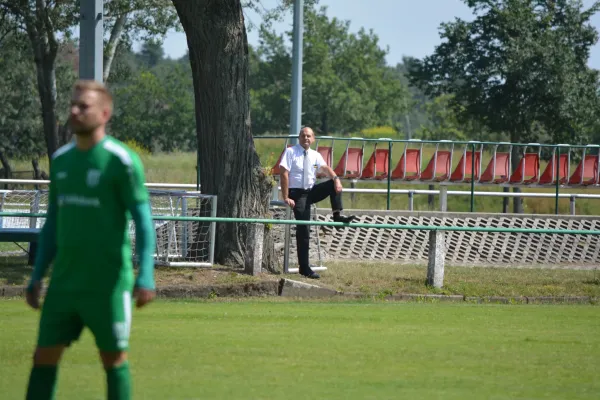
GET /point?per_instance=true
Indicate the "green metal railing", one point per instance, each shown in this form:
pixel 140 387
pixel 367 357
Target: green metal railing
pixel 344 225
pixel 471 143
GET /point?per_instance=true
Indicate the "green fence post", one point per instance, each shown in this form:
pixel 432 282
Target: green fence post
pixel 198 170
pixel 389 174
pixel 557 166
pixel 473 178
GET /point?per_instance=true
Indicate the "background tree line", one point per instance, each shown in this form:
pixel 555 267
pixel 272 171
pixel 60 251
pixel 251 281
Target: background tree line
pixel 517 72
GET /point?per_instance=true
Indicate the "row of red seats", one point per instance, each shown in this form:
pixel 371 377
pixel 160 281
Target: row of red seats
pixel 438 169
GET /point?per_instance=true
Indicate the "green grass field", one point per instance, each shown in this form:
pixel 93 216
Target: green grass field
pixel 308 350
pixel 182 169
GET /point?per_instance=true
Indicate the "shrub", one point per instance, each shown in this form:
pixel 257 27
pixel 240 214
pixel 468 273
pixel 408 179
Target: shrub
pixel 137 147
pixel 379 132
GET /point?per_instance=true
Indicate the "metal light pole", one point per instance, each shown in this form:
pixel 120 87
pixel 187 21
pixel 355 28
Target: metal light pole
pixel 296 100
pixel 91 31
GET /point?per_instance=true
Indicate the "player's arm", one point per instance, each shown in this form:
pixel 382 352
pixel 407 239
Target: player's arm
pixel 46 242
pixel 327 170
pixel 284 177
pixel 135 196
pixel 45 252
pixel 144 239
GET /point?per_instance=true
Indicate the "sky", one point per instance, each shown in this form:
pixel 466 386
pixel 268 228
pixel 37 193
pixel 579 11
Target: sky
pixel 405 27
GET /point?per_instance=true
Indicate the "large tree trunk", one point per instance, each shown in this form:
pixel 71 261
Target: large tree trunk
pixel 112 45
pixel 45 47
pixel 324 123
pixel 46 78
pixel 514 161
pixel 229 164
pixel 6 168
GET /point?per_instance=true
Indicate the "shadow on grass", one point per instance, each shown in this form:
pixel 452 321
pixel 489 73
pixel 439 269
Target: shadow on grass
pixel 595 281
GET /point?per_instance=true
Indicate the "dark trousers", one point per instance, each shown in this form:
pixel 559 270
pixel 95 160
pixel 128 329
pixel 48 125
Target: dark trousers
pixel 304 199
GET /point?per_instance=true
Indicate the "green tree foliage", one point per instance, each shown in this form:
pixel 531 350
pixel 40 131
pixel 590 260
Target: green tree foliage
pixel 414 114
pixel 156 108
pixel 152 53
pixel 19 115
pixel 442 122
pixel 347 85
pixel 519 67
pixel 21 124
pixel 48 24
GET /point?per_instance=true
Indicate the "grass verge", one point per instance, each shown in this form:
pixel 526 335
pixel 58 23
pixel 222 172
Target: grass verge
pixel 379 279
pixel 388 279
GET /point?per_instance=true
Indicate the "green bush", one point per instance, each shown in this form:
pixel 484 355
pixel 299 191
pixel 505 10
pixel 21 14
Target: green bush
pixel 137 147
pixel 379 132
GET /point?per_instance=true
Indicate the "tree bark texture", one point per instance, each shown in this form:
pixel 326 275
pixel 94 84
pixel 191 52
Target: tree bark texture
pixel 6 168
pixel 46 78
pixel 229 164
pixel 113 42
pixel 514 160
pixel 45 47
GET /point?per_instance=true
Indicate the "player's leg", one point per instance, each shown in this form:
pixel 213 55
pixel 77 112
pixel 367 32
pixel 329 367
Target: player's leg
pixel 42 377
pixel 59 326
pixel 118 378
pixel 109 320
pixel 321 191
pixel 302 213
pixel 326 189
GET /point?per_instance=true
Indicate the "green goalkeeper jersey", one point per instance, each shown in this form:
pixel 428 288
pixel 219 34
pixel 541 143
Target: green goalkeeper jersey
pixel 93 191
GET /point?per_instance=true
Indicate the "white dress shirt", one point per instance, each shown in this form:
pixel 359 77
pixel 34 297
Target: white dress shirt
pixel 293 160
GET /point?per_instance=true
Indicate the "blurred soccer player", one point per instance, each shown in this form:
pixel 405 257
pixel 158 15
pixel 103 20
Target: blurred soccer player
pixel 97 185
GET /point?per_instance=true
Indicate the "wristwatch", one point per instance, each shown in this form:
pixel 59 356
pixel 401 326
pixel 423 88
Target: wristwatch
pixel 336 177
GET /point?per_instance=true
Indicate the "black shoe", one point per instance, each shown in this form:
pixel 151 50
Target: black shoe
pixel 310 274
pixel 343 218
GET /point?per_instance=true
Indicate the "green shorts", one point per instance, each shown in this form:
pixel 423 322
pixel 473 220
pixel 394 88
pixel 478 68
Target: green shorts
pixel 64 315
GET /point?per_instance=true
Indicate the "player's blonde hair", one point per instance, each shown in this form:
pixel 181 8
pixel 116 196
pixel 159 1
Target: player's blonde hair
pixel 84 85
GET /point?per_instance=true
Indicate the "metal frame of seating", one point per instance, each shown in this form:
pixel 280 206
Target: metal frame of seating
pixel 402 162
pixel 595 180
pixel 275 167
pixel 493 164
pixel 518 177
pixel 345 156
pixel 329 159
pixel 374 159
pixel 463 164
pixel 498 171
pixel 434 167
pixel 553 169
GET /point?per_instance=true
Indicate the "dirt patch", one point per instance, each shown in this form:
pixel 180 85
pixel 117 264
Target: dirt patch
pixel 192 277
pixel 260 289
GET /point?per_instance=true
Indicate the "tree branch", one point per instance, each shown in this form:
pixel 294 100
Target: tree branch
pixel 113 42
pixel 44 15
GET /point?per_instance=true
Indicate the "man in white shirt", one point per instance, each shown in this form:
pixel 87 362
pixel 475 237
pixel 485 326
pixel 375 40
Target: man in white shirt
pixel 299 167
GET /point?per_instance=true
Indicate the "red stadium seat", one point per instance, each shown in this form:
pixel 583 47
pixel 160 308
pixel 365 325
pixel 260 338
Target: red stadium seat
pixel 498 167
pixel 528 170
pixel 438 168
pixel 412 158
pixel 276 170
pixel 350 165
pixel 586 172
pixel 377 166
pixel 327 154
pixel 464 171
pixel 549 174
